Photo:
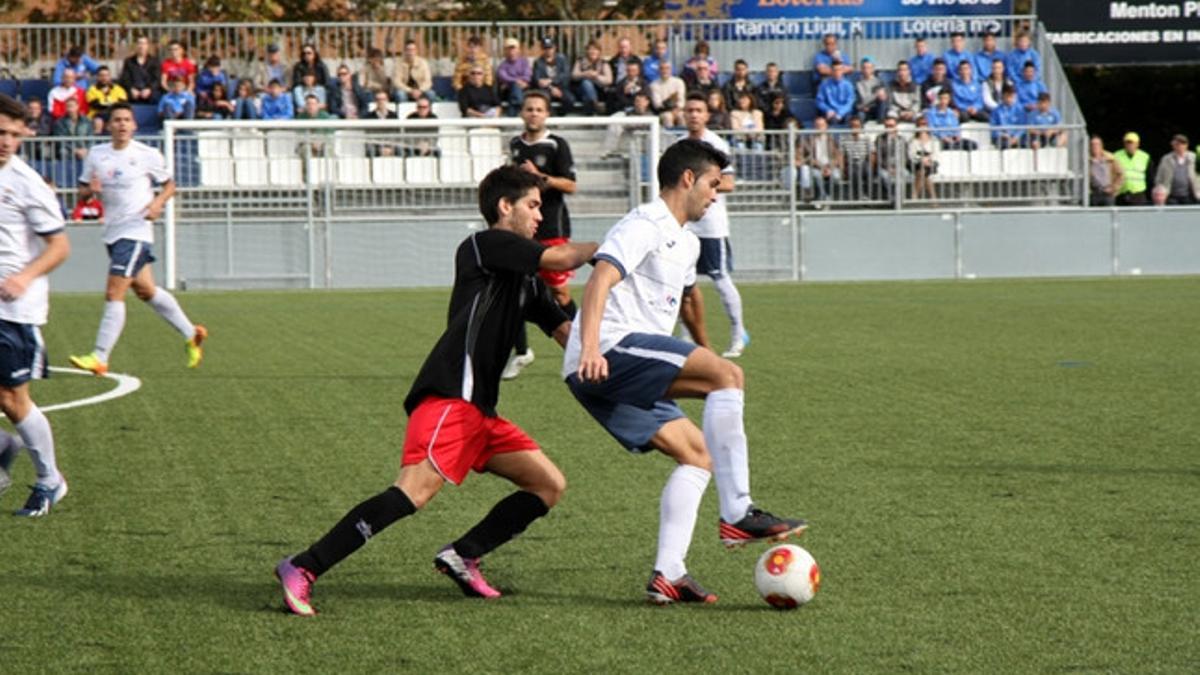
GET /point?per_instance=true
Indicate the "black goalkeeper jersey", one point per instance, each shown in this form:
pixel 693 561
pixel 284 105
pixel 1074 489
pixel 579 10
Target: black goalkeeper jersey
pixel 496 289
pixel 552 156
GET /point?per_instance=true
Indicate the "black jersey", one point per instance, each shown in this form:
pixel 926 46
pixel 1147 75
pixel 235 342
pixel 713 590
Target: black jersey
pixel 552 156
pixel 496 289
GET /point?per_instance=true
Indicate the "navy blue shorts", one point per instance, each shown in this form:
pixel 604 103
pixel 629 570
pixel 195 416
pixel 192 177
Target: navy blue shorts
pixel 22 354
pixel 716 257
pixel 630 404
pixel 127 257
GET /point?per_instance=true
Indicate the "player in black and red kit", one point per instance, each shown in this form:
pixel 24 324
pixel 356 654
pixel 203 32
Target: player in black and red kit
pixel 549 156
pixel 453 427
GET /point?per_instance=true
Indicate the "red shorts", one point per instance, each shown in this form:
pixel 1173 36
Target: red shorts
pixel 456 437
pixel 556 278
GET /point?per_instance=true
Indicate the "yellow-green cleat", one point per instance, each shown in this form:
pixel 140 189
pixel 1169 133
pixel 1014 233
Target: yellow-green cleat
pixel 91 363
pixel 194 346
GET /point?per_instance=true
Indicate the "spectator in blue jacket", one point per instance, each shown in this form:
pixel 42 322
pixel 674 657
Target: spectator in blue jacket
pixel 78 61
pixel 1029 87
pixel 967 94
pixel 823 61
pixel 984 57
pixel 212 74
pixel 650 65
pixel 1008 114
pixel 957 52
pixel 552 74
pixel 1045 115
pixel 921 63
pixel 1021 54
pixel 178 103
pixel 943 122
pixel 835 96
pixel 277 104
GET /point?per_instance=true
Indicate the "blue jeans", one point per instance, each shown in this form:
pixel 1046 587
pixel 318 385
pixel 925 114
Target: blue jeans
pixel 401 95
pixel 245 110
pixel 589 94
pixel 514 96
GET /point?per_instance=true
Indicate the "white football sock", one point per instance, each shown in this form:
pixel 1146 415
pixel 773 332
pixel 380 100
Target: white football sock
pixel 725 436
pixel 732 300
pixel 168 308
pixel 677 518
pixel 112 322
pixel 39 440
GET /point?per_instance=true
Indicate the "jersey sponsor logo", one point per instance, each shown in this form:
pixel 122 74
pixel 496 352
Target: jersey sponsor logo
pixel 9 198
pixel 540 160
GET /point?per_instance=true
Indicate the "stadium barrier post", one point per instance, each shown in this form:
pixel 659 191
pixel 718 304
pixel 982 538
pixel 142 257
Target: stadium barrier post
pixel 169 269
pixel 793 206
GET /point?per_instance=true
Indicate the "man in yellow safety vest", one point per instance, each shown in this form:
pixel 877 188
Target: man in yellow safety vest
pixel 1133 163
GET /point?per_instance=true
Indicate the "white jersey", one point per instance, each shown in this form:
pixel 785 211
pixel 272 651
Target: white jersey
pixel 127 179
pixel 657 260
pixel 28 210
pixel 715 223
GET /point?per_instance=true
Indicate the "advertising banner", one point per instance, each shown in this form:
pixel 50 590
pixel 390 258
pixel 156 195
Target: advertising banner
pixel 1100 32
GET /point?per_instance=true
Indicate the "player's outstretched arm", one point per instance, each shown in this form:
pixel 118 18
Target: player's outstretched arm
pixel 593 367
pixel 568 256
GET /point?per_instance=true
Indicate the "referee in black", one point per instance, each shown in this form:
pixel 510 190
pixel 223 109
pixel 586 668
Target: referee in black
pixel 549 156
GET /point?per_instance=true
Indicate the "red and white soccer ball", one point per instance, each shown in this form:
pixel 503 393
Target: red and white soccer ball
pixel 787 576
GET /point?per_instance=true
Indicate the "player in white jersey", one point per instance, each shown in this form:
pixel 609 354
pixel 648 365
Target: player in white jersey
pixel 124 173
pixel 32 242
pixel 624 367
pixel 716 255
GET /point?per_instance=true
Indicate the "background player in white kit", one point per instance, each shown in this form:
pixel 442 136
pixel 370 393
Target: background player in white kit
pixel 624 367
pixel 716 255
pixel 32 242
pixel 125 172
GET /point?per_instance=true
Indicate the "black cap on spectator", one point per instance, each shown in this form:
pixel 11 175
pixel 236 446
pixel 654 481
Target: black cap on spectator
pixel 547 42
pixel 272 48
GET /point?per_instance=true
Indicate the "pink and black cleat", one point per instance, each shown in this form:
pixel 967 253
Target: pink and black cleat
pixel 297 585
pixel 465 572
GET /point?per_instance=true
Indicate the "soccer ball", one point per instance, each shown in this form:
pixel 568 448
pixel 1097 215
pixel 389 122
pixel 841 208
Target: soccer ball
pixel 787 576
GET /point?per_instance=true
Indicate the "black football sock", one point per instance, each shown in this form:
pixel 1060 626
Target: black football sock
pixel 508 518
pixel 570 309
pixel 354 529
pixel 522 344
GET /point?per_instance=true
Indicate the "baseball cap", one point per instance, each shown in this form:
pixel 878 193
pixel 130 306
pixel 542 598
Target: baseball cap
pixel 1132 136
pixel 547 43
pixel 272 48
pixel 511 42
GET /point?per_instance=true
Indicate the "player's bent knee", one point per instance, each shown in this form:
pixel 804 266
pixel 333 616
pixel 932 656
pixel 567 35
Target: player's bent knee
pixel 550 489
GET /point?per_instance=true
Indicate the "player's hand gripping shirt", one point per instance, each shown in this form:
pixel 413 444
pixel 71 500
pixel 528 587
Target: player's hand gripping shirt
pixel 28 211
pixel 657 260
pixel 127 179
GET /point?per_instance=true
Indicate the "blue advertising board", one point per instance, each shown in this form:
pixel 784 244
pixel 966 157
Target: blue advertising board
pixel 819 9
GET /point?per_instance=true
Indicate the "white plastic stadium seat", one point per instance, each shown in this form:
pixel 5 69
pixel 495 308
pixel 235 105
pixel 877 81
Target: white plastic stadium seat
pixel 349 143
pixel 979 132
pixel 421 170
pixel 985 163
pixel 455 169
pixel 216 172
pixel 406 108
pixel 251 172
pixel 248 144
pixel 954 164
pixel 212 144
pixel 486 141
pixel 446 110
pixel 1053 161
pixel 320 170
pixel 286 171
pixel 353 171
pixel 1017 161
pixel 481 165
pixel 387 170
pixel 452 141
pixel 282 144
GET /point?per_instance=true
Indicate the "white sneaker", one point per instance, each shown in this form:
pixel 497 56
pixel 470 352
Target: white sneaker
pixel 516 363
pixel 738 346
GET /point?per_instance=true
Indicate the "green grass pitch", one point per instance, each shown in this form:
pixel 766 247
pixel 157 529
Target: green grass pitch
pixel 1000 476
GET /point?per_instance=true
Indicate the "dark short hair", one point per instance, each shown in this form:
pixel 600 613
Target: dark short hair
pixel 1007 89
pixel 103 68
pixel 901 62
pixel 74 52
pixel 688 154
pixel 939 60
pixel 772 63
pixel 696 95
pixel 537 93
pixel 474 40
pixel 12 108
pixel 741 62
pixel 120 105
pixel 1029 64
pixel 958 33
pixel 410 41
pixel 274 80
pixel 312 96
pixel 1044 96
pixel 212 61
pixel 505 182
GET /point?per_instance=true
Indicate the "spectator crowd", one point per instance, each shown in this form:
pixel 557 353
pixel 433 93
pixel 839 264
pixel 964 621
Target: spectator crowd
pixel 872 128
